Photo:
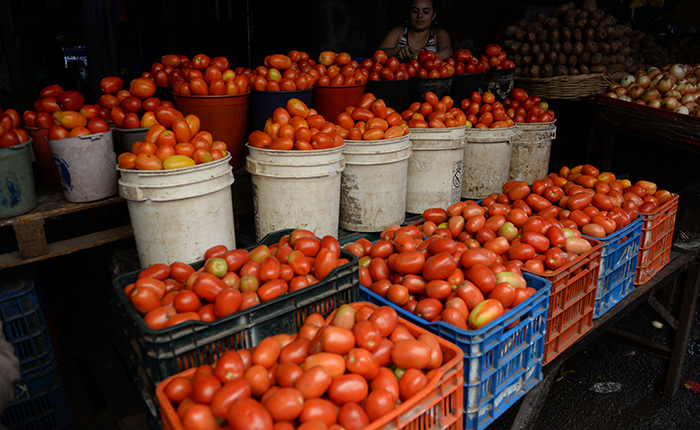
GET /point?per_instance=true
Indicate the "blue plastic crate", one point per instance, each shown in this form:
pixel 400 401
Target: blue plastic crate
pixel 24 325
pixel 43 405
pixel 617 264
pixel 501 363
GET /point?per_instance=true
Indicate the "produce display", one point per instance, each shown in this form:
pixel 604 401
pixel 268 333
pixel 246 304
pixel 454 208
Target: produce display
pixel 205 76
pixel 524 108
pixel 383 68
pixel 338 70
pixel 132 111
pixel 434 113
pixel 291 72
pixel 483 111
pixel 10 133
pixel 232 280
pixel 346 373
pixel 673 88
pixel 168 71
pixel 371 119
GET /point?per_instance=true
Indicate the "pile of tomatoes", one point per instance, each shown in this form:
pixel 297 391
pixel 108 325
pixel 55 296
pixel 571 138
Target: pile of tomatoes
pixel 205 76
pixel 338 70
pixel 429 65
pixel 371 119
pixel 434 113
pixel 483 111
pixel 175 141
pixel 296 127
pixel 524 108
pixel 133 108
pixel 341 374
pixel 283 73
pixel 496 58
pixel 168 71
pixel 383 68
pixel 232 280
pixel 10 133
pixel 467 64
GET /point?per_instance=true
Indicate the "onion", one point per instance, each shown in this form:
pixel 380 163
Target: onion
pixel 653 71
pixel 656 103
pixel 626 98
pixel 692 106
pixel 674 93
pixel 670 103
pixel 649 95
pixel 627 81
pixel 611 95
pixel 688 98
pixel 644 80
pixel 613 86
pixel 635 91
pixel 689 88
pixel 688 69
pixel 692 79
pixel 640 102
pixel 664 85
pixel 620 91
pixel 682 110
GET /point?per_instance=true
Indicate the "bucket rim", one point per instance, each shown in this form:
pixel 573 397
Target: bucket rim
pixel 307 90
pixel 338 88
pixel 19 145
pixel 534 125
pixel 131 130
pixel 207 97
pixel 296 153
pixel 91 137
pixel 376 142
pixel 170 172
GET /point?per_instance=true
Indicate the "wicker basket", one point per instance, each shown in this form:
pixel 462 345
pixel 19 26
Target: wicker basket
pixel 576 87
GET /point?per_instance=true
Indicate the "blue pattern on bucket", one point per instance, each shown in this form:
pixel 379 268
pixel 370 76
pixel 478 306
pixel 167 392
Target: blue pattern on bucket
pixel 12 193
pixel 64 173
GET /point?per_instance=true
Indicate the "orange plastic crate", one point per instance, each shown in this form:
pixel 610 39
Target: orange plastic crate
pixel 657 236
pixel 572 301
pixel 437 406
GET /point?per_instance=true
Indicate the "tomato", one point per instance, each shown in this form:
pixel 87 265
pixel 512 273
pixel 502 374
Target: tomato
pixel 428 309
pixel 229 393
pixel 249 414
pixel 187 301
pixel 144 300
pixel 555 258
pixel 314 382
pixel 110 85
pixel 348 388
pixel 361 361
pixel 142 88
pixel 386 319
pixel 8 138
pixel 178 389
pixel 412 381
pixel 200 417
pixel 334 363
pixel 352 416
pixel 325 263
pixel 204 387
pixel 267 352
pixel 439 266
pixel 485 312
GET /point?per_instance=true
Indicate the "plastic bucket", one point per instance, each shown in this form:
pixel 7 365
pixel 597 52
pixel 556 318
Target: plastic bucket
pixel 261 105
pixel 330 101
pixel 125 138
pixel 500 82
pixel 178 214
pixel 394 93
pixel 373 188
pixel 435 168
pixel 42 153
pixel 224 117
pixel 532 147
pixel 295 189
pixel 85 165
pixel 417 87
pixel 17 192
pixel 464 85
pixel 486 161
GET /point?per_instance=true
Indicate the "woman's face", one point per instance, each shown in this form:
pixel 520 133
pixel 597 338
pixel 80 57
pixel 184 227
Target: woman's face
pixel 422 14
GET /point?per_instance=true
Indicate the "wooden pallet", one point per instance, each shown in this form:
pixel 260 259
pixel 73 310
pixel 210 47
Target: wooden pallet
pixel 31 237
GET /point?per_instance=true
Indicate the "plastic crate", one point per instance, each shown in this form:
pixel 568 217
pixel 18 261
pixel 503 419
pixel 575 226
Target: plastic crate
pixel 438 406
pixel 501 363
pixel 618 264
pixel 42 405
pixel 571 301
pixel 162 353
pixel 656 240
pixel 24 325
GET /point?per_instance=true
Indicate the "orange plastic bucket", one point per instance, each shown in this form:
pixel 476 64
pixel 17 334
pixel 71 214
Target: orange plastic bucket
pixel 330 101
pixel 42 153
pixel 224 117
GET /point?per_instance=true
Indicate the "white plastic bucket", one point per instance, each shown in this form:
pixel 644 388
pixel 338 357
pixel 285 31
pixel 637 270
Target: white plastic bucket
pixel 373 188
pixel 85 165
pixel 434 168
pixel 17 192
pixel 486 161
pixel 178 214
pixel 128 137
pixel 295 189
pixel 532 147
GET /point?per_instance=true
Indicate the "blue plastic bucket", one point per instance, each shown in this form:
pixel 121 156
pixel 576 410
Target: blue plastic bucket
pixel 17 193
pixel 261 105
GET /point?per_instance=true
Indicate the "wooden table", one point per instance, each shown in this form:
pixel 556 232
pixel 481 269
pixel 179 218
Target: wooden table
pixel 667 280
pixel 30 234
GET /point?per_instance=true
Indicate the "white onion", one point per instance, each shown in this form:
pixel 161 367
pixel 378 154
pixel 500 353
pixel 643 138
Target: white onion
pixel 674 93
pixel 682 110
pixel 627 81
pixel 688 98
pixel 670 103
pixel 644 80
pixel 626 98
pixel 656 103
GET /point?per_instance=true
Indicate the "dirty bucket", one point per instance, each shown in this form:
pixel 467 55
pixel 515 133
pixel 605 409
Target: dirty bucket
pixel 373 187
pixel 42 153
pixel 85 165
pixel 261 105
pixel 435 168
pixel 417 87
pixel 500 82
pixel 17 192
pixel 178 214
pixel 330 101
pixel 486 161
pixel 224 117
pixel 295 189
pixel 125 138
pixel 532 146
pixel 394 93
pixel 464 85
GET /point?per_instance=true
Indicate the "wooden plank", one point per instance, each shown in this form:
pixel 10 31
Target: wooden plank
pixel 638 342
pixel 31 238
pixel 663 312
pixel 69 246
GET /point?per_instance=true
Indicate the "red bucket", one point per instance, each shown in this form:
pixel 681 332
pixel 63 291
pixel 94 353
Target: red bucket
pixel 330 101
pixel 42 153
pixel 224 117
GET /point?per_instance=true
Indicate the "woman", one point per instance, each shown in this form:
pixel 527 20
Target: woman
pixel 406 42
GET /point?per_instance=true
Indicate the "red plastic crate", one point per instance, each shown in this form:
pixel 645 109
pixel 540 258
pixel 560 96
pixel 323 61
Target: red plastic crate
pixel 657 236
pixel 437 406
pixel 572 300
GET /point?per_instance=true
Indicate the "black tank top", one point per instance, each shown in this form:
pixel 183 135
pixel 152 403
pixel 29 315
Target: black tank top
pixel 430 46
